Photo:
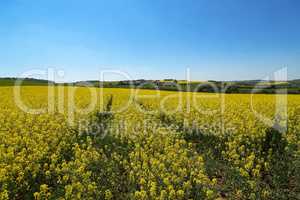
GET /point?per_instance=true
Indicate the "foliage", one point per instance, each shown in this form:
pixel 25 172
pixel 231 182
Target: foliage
pixel 148 151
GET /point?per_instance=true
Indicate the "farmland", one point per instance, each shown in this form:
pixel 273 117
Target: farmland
pixel 146 144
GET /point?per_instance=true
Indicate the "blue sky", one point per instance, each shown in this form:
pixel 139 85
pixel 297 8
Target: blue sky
pixel 216 39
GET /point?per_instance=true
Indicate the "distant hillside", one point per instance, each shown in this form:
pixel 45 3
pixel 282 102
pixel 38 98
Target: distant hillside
pixel 25 82
pixel 297 81
pixel 246 86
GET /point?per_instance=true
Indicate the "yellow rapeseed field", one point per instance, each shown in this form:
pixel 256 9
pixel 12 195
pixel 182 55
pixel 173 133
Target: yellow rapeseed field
pixel 93 143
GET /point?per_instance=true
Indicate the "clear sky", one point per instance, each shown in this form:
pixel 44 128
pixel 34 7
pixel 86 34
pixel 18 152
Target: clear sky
pixel 152 39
